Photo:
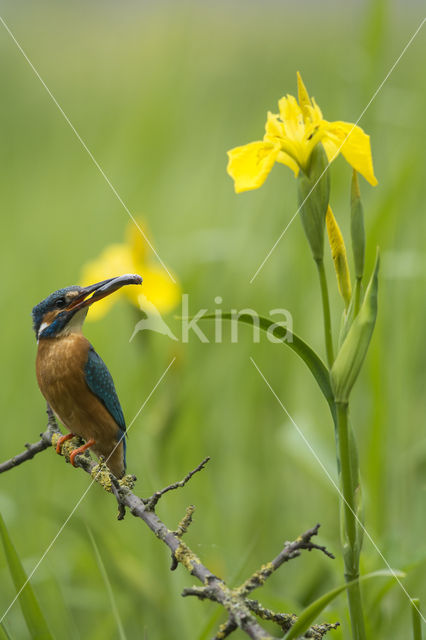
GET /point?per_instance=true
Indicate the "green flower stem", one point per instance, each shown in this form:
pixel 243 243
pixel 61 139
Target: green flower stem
pixel 326 312
pixel 416 619
pixel 351 544
pixel 357 294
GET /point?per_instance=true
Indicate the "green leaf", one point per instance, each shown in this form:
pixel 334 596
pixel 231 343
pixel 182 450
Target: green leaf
pixel 36 623
pixel 115 612
pixel 299 346
pixel 309 614
pixel 3 632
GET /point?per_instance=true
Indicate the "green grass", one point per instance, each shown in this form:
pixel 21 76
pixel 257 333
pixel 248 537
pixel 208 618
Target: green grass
pixel 159 93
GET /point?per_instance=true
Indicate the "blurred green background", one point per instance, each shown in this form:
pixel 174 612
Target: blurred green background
pixel 159 92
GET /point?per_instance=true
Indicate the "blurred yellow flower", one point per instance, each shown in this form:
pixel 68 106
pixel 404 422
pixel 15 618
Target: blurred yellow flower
pixel 132 256
pixel 290 138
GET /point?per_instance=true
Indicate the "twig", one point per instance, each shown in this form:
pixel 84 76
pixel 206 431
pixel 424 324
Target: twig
pixel 152 501
pixel 225 630
pixel 241 611
pixel 284 620
pixel 318 631
pixel 182 528
pixel 291 550
pixel 183 525
pixel 287 620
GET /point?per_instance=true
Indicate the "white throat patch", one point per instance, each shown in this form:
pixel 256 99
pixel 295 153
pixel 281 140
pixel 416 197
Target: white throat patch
pixel 42 328
pixel 76 323
pixel 73 326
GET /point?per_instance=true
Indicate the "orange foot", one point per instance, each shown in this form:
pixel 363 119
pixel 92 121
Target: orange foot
pixel 77 452
pixel 61 441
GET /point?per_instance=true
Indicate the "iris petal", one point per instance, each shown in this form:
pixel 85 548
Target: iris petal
pixel 303 96
pixel 249 165
pixel 292 118
pixel 353 144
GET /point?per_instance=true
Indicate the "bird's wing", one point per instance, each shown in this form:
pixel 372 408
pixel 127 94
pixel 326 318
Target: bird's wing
pixel 100 382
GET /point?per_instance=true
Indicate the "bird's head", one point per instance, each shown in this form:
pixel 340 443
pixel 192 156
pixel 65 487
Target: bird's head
pixel 64 311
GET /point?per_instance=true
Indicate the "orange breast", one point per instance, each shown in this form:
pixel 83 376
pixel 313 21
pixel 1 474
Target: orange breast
pixel 60 374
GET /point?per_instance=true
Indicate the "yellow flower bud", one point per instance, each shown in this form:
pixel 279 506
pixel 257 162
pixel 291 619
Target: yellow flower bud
pixel 338 253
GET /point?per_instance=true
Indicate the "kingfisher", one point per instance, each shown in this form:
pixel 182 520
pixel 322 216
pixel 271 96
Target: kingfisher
pixel 74 379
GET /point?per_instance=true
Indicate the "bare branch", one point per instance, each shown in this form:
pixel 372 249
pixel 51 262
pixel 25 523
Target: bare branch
pixel 241 611
pixel 291 550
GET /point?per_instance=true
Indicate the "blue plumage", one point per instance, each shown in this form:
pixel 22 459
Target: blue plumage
pixel 100 382
pixel 56 300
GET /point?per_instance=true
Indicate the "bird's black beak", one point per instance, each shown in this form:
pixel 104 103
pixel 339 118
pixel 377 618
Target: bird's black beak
pixel 95 292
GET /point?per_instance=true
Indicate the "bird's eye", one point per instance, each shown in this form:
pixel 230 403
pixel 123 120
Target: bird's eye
pixel 60 303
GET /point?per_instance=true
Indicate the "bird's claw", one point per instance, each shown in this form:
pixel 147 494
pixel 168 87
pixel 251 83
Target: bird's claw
pixel 79 450
pixel 61 441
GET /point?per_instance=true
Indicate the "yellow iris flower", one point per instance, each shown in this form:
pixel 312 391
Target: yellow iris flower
pixel 290 137
pixel 132 256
